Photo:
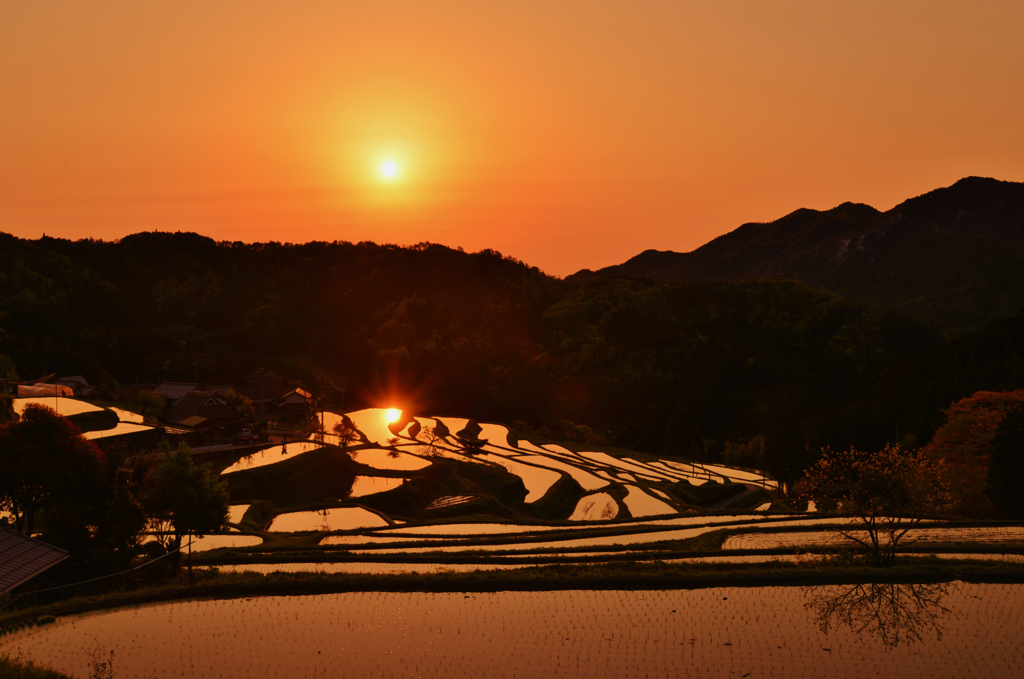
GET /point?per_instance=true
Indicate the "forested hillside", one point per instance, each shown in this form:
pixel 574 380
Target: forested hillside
pixel 688 369
pixel 952 258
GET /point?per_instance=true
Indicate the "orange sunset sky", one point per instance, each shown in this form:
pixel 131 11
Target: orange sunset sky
pixel 567 134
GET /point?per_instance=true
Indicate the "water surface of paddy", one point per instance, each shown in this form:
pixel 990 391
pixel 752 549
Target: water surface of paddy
pixel 962 630
pixel 273 455
pixel 340 518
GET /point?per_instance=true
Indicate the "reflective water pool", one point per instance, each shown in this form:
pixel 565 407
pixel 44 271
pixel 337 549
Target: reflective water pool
pixel 906 631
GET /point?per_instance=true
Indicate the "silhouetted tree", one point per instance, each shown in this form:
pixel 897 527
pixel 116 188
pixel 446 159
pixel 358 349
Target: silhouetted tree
pixel 964 443
pixel 888 492
pixel 1006 465
pixel 346 432
pixel 186 495
pixel 46 464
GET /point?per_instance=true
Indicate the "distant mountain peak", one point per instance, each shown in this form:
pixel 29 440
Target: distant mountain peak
pixel 951 257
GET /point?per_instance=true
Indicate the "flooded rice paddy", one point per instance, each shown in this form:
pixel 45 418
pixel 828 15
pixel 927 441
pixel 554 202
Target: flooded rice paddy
pixel 596 507
pixel 368 485
pixel 62 404
pixel 539 467
pixel 127 415
pixel 236 512
pixel 934 631
pixel 272 455
pixel 521 543
pixel 121 429
pixel 917 535
pixel 641 504
pixel 343 518
pixel 389 460
pixel 209 542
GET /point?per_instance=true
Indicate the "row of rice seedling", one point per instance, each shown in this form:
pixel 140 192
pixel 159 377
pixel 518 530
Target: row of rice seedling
pixel 962 630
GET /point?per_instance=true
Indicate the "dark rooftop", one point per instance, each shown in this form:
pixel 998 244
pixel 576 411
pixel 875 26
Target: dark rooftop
pixel 22 558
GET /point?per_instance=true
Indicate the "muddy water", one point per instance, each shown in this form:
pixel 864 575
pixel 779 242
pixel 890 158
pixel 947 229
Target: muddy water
pixel 723 632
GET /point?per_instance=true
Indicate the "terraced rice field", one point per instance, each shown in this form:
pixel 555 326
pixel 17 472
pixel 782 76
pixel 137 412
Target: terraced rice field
pixel 209 542
pixel 1002 534
pixel 595 507
pixel 236 512
pixel 539 466
pixel 370 485
pixel 121 429
pixel 965 630
pixel 62 404
pixel 127 415
pixel 343 518
pixel 569 540
pixel 272 455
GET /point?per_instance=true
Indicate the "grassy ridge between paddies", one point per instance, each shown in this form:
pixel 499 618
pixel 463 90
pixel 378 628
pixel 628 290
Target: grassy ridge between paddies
pixel 15 668
pixel 605 576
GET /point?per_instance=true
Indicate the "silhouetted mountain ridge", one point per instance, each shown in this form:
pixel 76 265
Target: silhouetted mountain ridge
pixel 952 257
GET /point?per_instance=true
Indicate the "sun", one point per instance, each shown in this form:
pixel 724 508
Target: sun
pixel 389 169
pixel 392 415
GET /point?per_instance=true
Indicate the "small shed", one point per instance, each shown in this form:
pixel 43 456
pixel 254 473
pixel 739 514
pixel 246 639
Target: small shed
pixel 23 558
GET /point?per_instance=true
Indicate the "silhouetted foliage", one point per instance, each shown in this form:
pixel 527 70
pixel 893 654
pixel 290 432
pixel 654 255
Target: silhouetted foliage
pixel 964 444
pixel 1006 465
pixel 889 492
pixel 658 368
pixel 186 495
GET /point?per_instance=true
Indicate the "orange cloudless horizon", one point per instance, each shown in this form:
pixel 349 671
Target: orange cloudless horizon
pixel 567 134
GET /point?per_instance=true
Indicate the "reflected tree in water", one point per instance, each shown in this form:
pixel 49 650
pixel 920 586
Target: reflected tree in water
pixel 896 614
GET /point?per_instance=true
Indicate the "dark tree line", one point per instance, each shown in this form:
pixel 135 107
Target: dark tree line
pixel 684 369
pixel 95 503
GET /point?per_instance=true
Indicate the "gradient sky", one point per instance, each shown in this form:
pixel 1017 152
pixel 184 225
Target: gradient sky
pixel 567 134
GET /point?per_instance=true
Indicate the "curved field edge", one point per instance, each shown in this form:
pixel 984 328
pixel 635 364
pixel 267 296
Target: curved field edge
pixel 616 576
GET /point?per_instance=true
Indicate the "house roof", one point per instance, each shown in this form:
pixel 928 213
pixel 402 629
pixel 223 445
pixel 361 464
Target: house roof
pixel 202 404
pixel 175 390
pixel 22 558
pixel 297 395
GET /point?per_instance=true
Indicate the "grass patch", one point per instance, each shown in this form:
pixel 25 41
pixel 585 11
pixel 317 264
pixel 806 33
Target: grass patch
pixel 16 668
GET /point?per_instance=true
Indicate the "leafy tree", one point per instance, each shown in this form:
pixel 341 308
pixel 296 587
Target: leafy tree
pixel 148 399
pixel 346 431
pixel 964 444
pixel 46 464
pixel 888 492
pixel 186 495
pixel 242 406
pixel 1006 465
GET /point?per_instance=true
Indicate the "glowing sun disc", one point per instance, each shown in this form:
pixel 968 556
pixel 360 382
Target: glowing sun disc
pixel 389 169
pixel 392 415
